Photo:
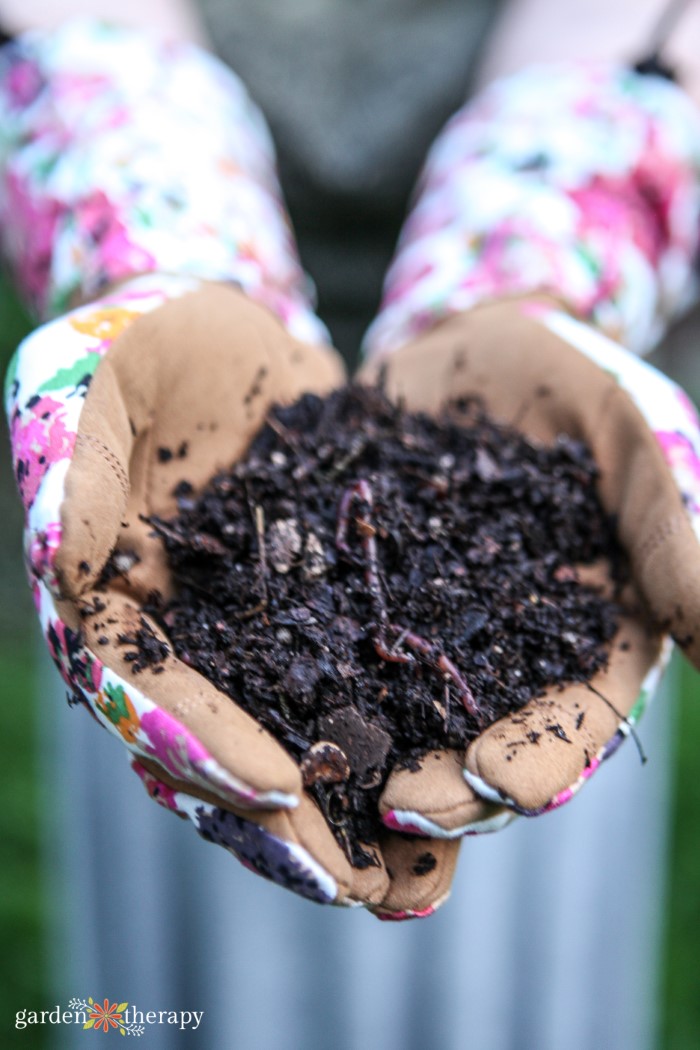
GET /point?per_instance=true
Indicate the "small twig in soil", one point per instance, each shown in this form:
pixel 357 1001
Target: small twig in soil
pixel 357 447
pixel 262 552
pixel 248 614
pixel 165 530
pixel 259 519
pixel 398 643
pixel 282 433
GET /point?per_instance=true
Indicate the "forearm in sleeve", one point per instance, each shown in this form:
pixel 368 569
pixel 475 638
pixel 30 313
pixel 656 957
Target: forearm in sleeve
pixel 123 154
pixel 578 180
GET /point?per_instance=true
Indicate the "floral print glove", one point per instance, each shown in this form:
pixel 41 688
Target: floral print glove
pixel 123 155
pixel 565 190
pixel 577 180
pixel 132 174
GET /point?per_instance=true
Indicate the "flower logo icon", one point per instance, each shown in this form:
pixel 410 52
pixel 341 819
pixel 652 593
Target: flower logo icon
pixel 105 1016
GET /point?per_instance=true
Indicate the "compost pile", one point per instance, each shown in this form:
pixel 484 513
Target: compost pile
pixel 371 584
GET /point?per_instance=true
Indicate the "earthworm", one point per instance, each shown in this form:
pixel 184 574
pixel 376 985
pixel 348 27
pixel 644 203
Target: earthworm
pixel 361 492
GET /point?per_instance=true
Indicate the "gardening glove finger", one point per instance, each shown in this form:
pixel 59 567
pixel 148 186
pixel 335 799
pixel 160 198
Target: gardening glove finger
pixel 293 848
pixel 563 377
pixel 420 875
pixel 436 800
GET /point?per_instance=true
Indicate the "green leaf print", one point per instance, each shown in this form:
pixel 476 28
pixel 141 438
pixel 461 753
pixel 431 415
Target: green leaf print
pixel 116 709
pixel 72 376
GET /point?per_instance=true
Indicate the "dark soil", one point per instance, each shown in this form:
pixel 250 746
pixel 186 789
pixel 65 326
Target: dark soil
pixel 371 584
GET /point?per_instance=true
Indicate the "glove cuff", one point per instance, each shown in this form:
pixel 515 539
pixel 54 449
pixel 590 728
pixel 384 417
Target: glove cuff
pixel 121 154
pixel 575 180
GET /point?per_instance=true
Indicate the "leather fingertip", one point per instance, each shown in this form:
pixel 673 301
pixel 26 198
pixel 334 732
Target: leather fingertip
pixel 365 886
pixel 527 762
pixel 405 914
pixel 478 759
pixel 420 870
pixel 499 770
pixel 545 751
pixel 433 796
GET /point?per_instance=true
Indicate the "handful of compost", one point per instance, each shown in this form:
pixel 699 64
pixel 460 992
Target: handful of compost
pixel 375 587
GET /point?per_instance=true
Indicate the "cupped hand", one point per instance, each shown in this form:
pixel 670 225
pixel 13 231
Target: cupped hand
pixel 143 390
pixel 540 369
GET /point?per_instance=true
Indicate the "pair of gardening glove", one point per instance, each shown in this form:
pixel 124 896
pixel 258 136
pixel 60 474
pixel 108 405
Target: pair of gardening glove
pixel 510 236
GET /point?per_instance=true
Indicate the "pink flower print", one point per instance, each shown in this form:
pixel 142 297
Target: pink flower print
pixel 623 213
pixel 177 750
pixel 37 216
pixel 682 457
pixel 499 268
pixel 99 225
pixel 39 439
pixel 613 213
pixel 80 89
pixel 23 83
pixel 43 546
pixel 663 180
pixel 406 274
pixel 156 788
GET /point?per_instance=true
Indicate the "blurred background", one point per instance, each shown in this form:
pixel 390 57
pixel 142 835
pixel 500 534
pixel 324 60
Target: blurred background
pixel 25 876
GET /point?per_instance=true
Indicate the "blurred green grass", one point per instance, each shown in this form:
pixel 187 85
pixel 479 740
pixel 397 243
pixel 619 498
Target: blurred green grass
pixel 23 977
pixel 680 976
pixel 680 990
pixel 24 903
